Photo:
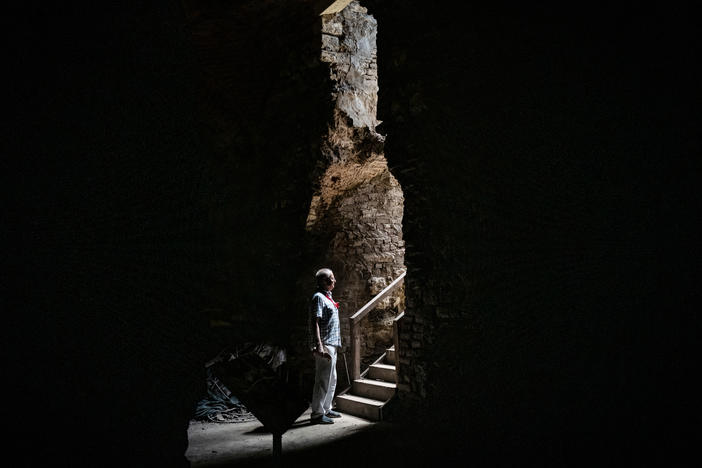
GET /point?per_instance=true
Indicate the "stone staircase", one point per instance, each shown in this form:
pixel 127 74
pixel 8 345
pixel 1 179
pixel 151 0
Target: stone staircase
pixel 369 394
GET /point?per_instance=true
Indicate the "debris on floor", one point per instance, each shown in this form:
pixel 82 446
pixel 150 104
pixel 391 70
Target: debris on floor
pixel 256 374
pixel 221 405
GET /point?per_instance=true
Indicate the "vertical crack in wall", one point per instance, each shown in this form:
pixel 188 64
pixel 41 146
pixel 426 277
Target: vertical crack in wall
pixel 355 217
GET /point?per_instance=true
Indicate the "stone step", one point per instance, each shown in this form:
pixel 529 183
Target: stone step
pixel 366 408
pixel 384 372
pixel 374 389
pixel 390 356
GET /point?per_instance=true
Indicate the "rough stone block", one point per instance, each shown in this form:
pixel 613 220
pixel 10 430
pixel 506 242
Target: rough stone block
pixel 330 42
pixel 332 27
pixel 328 56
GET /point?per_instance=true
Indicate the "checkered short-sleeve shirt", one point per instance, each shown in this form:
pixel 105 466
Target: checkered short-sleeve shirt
pixel 324 308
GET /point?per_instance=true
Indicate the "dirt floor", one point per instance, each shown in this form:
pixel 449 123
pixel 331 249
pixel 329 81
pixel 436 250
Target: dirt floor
pixel 250 444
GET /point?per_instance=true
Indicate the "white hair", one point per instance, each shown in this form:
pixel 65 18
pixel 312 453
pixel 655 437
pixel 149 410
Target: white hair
pixel 322 276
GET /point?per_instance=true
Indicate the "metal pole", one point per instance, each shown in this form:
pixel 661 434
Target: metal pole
pixel 277 449
pixel 346 366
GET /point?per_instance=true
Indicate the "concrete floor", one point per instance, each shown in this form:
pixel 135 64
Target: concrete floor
pixel 250 444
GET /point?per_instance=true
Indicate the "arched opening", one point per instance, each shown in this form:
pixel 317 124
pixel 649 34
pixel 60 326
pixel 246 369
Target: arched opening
pixel 355 218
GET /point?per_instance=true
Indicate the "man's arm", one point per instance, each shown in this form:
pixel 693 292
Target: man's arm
pixel 320 347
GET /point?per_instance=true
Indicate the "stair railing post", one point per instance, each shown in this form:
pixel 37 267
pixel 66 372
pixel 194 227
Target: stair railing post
pixel 396 344
pixel 356 348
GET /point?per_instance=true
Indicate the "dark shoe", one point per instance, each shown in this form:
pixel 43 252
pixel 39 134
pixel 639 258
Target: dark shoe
pixel 333 414
pixel 321 420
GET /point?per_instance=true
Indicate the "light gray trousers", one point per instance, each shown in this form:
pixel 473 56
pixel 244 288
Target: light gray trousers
pixel 324 383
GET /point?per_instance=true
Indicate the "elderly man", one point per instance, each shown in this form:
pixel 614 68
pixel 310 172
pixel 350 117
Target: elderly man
pixel 325 342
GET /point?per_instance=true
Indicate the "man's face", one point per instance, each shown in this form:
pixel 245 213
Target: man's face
pixel 331 282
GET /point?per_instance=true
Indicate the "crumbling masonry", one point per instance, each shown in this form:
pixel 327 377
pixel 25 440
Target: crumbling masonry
pixel 355 218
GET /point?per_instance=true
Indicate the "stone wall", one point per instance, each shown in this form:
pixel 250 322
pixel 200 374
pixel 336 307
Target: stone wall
pixel 355 217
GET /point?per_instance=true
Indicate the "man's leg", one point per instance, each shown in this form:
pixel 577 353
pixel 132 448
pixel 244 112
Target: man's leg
pixel 322 376
pixel 331 387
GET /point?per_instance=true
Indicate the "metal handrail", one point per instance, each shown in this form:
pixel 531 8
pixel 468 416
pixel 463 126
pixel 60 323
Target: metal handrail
pixel 355 321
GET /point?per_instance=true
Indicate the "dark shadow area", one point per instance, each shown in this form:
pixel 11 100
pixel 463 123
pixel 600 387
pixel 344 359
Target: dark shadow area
pixel 550 177
pixel 260 430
